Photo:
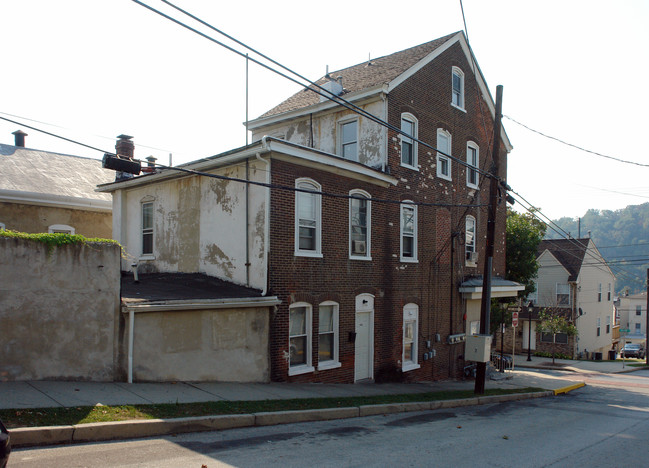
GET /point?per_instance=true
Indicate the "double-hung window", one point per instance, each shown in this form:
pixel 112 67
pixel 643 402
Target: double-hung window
pixel 147 228
pixel 443 154
pixel 563 294
pixel 410 334
pixel 328 335
pixel 608 324
pixel 359 225
pixel 599 293
pixel 472 154
pixel 408 145
pixel 471 257
pixel 457 86
pixel 308 227
pixel 408 232
pixel 599 325
pixel 300 338
pixel 608 295
pixel 348 135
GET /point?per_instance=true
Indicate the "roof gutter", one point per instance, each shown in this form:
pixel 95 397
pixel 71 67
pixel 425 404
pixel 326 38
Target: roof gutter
pixel 57 201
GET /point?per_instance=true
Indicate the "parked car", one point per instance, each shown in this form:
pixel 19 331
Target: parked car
pixel 633 350
pixel 5 445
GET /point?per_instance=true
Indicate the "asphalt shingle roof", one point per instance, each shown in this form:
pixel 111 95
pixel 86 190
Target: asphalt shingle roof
pixel 569 252
pixel 36 171
pixel 382 70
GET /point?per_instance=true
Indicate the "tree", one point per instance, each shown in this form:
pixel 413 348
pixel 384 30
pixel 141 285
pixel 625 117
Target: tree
pixel 553 321
pixel 524 233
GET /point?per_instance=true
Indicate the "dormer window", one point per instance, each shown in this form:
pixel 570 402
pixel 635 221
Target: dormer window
pixel 457 96
pixel 348 137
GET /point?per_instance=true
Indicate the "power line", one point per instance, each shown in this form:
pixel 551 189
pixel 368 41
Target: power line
pixel 575 146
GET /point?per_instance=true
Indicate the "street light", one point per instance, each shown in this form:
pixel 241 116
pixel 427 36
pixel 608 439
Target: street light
pixel 529 330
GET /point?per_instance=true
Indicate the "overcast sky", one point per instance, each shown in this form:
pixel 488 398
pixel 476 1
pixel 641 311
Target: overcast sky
pixel 574 70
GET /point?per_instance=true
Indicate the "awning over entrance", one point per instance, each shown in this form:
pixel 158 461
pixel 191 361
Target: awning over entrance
pixel 472 288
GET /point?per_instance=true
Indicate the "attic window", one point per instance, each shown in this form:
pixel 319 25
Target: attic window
pixel 457 97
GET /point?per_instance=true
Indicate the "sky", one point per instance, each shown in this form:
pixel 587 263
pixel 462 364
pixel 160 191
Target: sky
pixel 573 70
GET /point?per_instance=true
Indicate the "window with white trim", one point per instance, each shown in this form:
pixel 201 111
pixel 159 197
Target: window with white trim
pixel 408 232
pixel 470 253
pixel 308 225
pixel 563 294
pixel 328 335
pixel 444 151
pixel 608 324
pixel 60 229
pixel 599 293
pixel 457 86
pixel 299 338
pixel 409 125
pixel 348 138
pixel 599 324
pixel 608 294
pixel 147 228
pixel 472 160
pixel 410 335
pixel 359 224
pixel 638 310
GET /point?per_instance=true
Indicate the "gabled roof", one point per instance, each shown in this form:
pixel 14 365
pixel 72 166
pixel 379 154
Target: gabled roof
pixel 569 252
pixel 34 176
pixel 379 71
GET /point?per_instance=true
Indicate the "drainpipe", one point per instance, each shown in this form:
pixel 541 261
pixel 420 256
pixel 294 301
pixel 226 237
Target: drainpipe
pixel 247 224
pixel 266 214
pixel 131 328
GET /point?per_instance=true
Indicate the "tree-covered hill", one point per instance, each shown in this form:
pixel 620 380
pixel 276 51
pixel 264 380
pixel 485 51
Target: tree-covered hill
pixel 622 237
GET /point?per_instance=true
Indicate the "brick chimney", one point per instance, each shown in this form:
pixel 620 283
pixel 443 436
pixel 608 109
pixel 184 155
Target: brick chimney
pixel 124 146
pixel 20 138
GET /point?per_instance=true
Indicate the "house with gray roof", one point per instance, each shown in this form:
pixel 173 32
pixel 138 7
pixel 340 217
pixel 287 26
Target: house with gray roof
pixel 42 191
pixel 361 206
pixel 574 279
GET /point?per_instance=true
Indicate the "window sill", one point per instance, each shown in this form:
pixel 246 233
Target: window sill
pixel 298 370
pixel 408 166
pixel 471 264
pixel 147 257
pixel 409 367
pixel 458 108
pixel 329 365
pixel 445 177
pixel 308 254
pixel 408 260
pixel 472 186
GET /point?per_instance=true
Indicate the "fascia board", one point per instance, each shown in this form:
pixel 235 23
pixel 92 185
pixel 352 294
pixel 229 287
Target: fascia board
pixel 56 201
pixel 200 304
pixel 496 291
pixel 311 158
pixel 314 109
pixel 200 165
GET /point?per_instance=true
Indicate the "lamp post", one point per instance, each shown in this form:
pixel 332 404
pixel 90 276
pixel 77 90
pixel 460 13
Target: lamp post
pixel 529 330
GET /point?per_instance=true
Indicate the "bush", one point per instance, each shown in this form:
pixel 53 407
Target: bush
pixel 549 355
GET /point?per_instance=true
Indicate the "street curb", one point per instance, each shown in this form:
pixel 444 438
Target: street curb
pixel 569 388
pixel 97 432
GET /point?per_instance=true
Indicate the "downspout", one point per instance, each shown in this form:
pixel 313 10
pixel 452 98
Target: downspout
pixel 266 214
pixel 131 329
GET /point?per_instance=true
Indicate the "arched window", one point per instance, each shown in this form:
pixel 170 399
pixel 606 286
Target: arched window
pixel 308 224
pixel 409 125
pixel 360 212
pixel 457 84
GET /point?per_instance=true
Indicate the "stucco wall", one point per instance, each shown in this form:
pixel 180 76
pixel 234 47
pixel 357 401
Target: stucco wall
pixel 58 310
pixel 226 345
pixel 34 218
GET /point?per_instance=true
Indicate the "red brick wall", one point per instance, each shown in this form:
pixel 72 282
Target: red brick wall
pixel 431 283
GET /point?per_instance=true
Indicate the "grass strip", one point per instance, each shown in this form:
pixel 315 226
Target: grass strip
pixel 38 417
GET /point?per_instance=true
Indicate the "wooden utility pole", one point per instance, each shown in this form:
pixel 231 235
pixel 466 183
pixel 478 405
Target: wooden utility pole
pixel 646 336
pixel 485 306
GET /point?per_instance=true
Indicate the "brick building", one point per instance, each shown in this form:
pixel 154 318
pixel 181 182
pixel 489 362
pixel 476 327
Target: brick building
pixel 370 239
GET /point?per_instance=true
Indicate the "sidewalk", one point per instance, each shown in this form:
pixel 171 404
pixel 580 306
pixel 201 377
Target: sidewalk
pixel 45 394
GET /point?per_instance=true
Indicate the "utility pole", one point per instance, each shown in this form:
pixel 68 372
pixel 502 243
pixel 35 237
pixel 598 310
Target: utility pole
pixel 646 336
pixel 485 306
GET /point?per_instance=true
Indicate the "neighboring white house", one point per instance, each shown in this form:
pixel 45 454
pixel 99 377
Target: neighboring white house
pixel 574 276
pixel 633 317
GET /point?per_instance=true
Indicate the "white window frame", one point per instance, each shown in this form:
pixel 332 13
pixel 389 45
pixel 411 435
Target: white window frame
pixel 443 158
pixel 469 243
pixel 408 204
pixel 304 183
pixel 308 330
pixel 60 228
pixel 599 326
pixel 608 296
pixel 147 230
pixel 471 146
pixel 368 226
pixel 406 116
pixel 563 294
pixel 456 71
pixel 342 144
pixel 599 293
pixel 335 361
pixel 410 315
pixel 608 324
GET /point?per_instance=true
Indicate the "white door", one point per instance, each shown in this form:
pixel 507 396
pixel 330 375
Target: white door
pixel 526 327
pixel 364 344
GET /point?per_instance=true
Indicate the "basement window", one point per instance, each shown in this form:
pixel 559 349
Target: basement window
pixel 60 229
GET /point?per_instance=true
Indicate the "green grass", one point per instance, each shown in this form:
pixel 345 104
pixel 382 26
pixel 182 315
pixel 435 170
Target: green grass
pixel 14 418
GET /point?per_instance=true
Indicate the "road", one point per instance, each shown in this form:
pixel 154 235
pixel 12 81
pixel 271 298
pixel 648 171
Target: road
pixel 601 425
